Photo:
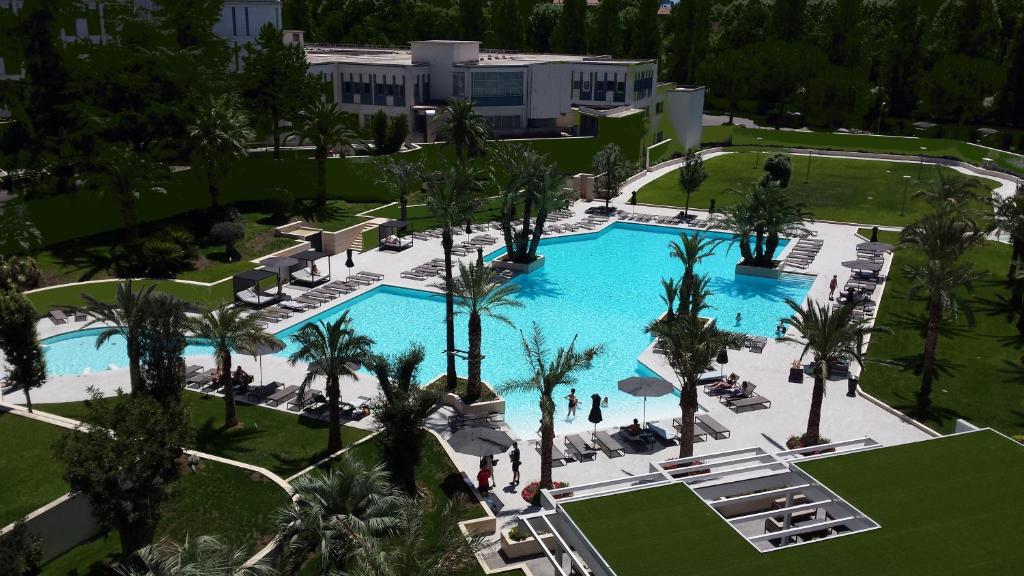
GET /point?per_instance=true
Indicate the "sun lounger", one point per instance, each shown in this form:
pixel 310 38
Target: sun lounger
pixel 744 391
pixel 414 276
pixel 198 380
pixel 712 427
pixel 662 431
pixel 251 297
pixel 579 449
pixel 757 344
pixel 315 302
pixel 376 275
pixel 752 401
pixel 298 402
pixel 305 276
pixel 257 394
pixel 80 315
pixel 282 395
pixel 193 369
pixel 609 445
pixel 709 377
pixel 295 306
pixel 557 456
pixel 58 316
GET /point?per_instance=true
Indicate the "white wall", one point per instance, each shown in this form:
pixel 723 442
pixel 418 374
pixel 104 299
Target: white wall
pixel 549 89
pixel 685 107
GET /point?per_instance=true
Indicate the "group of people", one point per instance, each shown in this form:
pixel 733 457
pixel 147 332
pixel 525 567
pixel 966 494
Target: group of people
pixel 485 477
pixel 239 378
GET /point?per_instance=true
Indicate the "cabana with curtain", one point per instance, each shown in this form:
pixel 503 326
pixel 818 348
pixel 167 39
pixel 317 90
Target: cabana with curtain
pixel 246 286
pixel 394 235
pixel 310 274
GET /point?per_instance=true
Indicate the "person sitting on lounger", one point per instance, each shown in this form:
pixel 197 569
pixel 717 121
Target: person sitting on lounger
pixel 314 270
pixel 723 385
pixel 634 428
pixel 241 376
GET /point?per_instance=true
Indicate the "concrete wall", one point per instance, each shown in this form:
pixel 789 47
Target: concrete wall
pixel 685 107
pixel 546 95
pixel 63 524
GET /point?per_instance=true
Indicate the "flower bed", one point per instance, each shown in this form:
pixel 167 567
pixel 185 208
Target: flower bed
pixel 801 441
pixel 531 493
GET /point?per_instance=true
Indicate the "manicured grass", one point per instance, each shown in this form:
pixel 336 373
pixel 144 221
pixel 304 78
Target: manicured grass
pixel 71 295
pixel 844 190
pixel 218 500
pixel 422 219
pixel 936 502
pixel 339 214
pixel 32 476
pixel 716 135
pixel 280 442
pixel 982 367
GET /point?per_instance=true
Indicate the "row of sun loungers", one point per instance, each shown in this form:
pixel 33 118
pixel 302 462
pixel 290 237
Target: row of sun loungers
pixel 431 269
pixel 63 316
pixel 803 253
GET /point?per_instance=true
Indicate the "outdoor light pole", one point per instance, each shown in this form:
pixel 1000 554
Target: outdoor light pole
pixel 808 177
pixel 881 112
pixel 921 165
pixel 906 182
pixel 757 157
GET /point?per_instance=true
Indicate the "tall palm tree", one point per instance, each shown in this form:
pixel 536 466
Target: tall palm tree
pixel 955 191
pixel 229 329
pixel 424 544
pixel 1008 218
pixel 832 336
pixel 219 134
pixel 334 513
pixel 323 125
pixel 670 289
pixel 460 125
pixel 691 250
pixel 478 293
pixel 399 176
pixel 942 234
pixel 127 175
pixel 448 194
pixel 548 374
pixel 331 349
pixel 125 317
pixel 196 556
pixel 401 409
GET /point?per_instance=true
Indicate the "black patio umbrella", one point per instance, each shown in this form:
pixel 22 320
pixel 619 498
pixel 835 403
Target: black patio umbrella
pixel 874 233
pixel 349 263
pixel 722 359
pixel 863 265
pixel 645 388
pixel 875 247
pixel 595 410
pixel 260 350
pixel 480 256
pixel 480 441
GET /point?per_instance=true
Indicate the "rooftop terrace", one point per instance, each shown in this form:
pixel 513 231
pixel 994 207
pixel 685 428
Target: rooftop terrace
pixel 946 505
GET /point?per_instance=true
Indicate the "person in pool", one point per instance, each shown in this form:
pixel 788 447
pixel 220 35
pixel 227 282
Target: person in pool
pixel 739 318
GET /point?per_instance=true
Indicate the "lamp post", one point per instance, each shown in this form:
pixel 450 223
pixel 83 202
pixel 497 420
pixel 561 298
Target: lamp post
pixel 906 182
pixel 757 157
pixel 881 113
pixel 921 165
pixel 807 178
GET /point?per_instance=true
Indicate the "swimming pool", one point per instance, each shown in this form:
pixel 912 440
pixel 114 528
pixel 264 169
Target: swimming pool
pixel 602 288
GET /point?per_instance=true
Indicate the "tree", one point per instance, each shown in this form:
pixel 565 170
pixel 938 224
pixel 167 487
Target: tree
pixel 20 345
pixel 777 170
pixel 125 317
pixel 1008 218
pixel 646 32
pixel 767 213
pixel 197 556
pixel 691 250
pixel 18 272
pixel 572 26
pixel 448 195
pixel 688 45
pixel 331 349
pixel 611 169
pixel 833 336
pixel 547 375
pixel 399 175
pixel 1011 96
pixel 123 460
pixel 728 74
pixel 607 37
pixel 228 234
pixel 162 345
pixel 787 19
pixel 961 88
pixel 20 551
pixel 507 24
pixel 460 125
pixel 542 26
pixel 324 126
pixel 127 175
pixel 229 329
pixel 401 409
pixel 219 135
pixel 531 183
pixel 18 234
pixel 379 131
pixel 398 130
pixel 691 176
pixel 471 19
pixel 333 513
pixel 956 193
pixel 275 81
pixel 478 291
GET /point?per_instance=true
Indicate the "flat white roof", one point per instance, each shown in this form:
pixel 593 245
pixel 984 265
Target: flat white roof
pixel 328 54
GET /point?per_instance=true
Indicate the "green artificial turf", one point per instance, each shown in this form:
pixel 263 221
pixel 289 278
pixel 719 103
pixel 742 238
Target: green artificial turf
pixel 944 507
pixel 843 190
pixel 981 366
pixel 32 476
pixel 219 500
pixel 281 442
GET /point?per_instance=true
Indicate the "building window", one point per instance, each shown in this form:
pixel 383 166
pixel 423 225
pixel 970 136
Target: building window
pixel 659 107
pixel 498 88
pixel 503 123
pixel 346 90
pixel 459 84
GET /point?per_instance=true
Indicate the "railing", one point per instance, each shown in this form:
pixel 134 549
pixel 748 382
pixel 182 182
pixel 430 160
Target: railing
pixel 846 446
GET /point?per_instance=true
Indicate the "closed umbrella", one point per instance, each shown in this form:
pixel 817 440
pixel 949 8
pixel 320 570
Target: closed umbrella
pixel 480 441
pixel 863 265
pixel 874 233
pixel 595 410
pixel 260 350
pixel 349 263
pixel 722 359
pixel 645 388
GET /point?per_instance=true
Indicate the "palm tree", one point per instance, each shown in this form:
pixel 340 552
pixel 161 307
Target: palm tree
pixel 127 175
pixel 479 293
pixel 460 125
pixel 549 374
pixel 197 556
pixel 691 250
pixel 401 409
pixel 219 134
pixel 955 191
pixel 334 513
pixel 531 183
pixel 765 212
pixel 229 329
pixel 331 349
pixel 125 317
pixel 324 126
pixel 832 337
pixel 448 194
pixel 670 289
pixel 942 234
pixel 18 272
pixel 1008 217
pixel 424 544
pixel 399 176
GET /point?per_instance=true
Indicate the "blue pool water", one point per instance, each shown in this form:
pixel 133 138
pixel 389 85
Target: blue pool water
pixel 602 288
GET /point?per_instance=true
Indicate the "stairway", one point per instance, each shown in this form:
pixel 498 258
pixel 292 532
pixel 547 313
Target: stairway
pixel 357 242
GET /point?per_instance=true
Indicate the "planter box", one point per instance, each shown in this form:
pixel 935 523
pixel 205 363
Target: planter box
pixel 744 270
pixel 482 408
pixel 502 263
pixel 524 548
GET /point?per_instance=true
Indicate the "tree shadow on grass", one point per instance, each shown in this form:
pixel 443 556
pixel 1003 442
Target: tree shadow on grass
pixel 313 212
pixel 940 416
pixel 218 439
pixel 914 363
pixel 85 262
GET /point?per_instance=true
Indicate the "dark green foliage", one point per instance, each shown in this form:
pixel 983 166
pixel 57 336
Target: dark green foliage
pixel 20 345
pixel 280 203
pixel 162 341
pixel 507 23
pixel 611 169
pixel 1012 95
pixel 607 37
pixel 379 130
pixel 471 19
pixel 228 234
pixel 167 254
pixel 777 170
pixel 571 33
pixel 691 176
pixel 388 133
pixel 543 22
pixel 688 44
pixel 20 552
pixel 645 31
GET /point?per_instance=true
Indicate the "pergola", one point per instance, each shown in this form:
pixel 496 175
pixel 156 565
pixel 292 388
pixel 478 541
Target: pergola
pixel 246 286
pixel 310 274
pixel 390 235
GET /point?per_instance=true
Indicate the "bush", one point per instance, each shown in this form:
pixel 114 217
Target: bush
pixel 20 552
pixel 228 234
pixel 802 441
pixel 280 204
pixel 517 535
pixel 532 492
pixel 778 169
pixel 163 258
pixel 129 259
pixel 184 240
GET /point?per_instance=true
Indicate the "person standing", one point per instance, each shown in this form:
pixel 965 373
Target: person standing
pixel 573 401
pixel 514 457
pixel 832 287
pixel 483 479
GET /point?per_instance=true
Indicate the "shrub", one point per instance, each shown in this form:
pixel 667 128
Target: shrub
pixel 517 535
pixel 778 169
pixel 228 234
pixel 20 552
pixel 531 493
pixel 280 204
pixel 802 441
pixel 163 259
pixel 184 240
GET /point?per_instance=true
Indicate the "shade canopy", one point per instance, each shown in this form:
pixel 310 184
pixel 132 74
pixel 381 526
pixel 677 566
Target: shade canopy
pixel 263 348
pixel 645 387
pixel 863 265
pixel 480 441
pixel 279 262
pixel 310 256
pixel 875 247
pixel 250 278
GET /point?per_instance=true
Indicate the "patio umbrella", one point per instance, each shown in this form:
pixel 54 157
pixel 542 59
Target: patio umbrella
pixel 260 350
pixel 480 256
pixel 480 441
pixel 874 233
pixel 349 263
pixel 863 265
pixel 645 388
pixel 595 410
pixel 874 247
pixel 722 359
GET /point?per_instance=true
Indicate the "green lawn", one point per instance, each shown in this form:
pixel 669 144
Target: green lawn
pixel 32 476
pixel 938 502
pixel 218 500
pixel 716 135
pixel 844 190
pixel 71 295
pixel 422 219
pixel 280 442
pixel 982 365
